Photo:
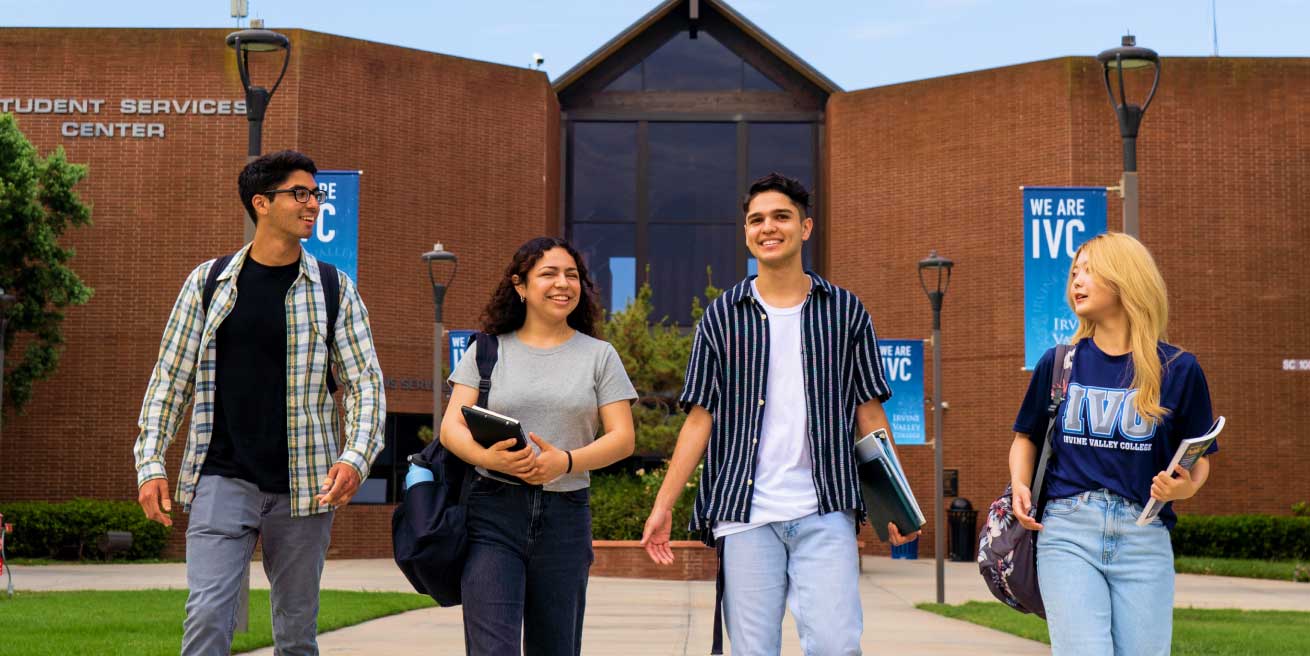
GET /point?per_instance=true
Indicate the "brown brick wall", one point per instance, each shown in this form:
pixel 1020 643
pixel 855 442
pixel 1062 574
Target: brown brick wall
pixel 467 153
pixel 692 561
pixel 452 150
pixel 1222 160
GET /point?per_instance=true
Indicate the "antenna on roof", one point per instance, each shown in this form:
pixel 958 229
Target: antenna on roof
pixel 1214 26
pixel 240 9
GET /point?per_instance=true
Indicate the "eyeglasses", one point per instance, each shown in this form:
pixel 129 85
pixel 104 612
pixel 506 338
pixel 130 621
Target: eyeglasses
pixel 301 194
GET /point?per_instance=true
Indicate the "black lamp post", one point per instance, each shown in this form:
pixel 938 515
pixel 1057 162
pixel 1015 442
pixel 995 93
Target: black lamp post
pixel 6 301
pixel 432 257
pixel 245 42
pixel 1129 56
pixel 940 268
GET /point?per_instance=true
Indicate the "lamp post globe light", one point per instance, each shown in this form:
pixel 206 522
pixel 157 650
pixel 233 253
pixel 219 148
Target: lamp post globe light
pixel 433 258
pixel 1114 61
pixel 245 42
pixel 937 270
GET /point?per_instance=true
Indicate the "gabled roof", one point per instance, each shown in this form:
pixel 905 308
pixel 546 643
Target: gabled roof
pixel 645 22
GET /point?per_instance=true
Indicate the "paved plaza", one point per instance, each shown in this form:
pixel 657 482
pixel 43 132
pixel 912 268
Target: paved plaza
pixel 636 617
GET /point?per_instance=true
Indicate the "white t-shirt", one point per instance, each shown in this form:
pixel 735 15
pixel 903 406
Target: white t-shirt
pixel 783 487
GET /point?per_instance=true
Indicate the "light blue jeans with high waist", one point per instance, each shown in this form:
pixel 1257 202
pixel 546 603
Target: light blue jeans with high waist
pixel 1107 583
pixel 812 565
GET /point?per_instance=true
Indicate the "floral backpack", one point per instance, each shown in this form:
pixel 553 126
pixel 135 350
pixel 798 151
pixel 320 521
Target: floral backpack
pixel 1007 552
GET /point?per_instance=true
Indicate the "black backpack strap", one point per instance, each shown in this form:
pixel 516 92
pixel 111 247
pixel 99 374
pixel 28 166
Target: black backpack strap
pixel 1059 386
pixel 211 282
pixel 488 350
pixel 331 284
pixel 717 646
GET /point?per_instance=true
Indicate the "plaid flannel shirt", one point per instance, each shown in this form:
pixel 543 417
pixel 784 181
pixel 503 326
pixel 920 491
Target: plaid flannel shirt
pixel 185 372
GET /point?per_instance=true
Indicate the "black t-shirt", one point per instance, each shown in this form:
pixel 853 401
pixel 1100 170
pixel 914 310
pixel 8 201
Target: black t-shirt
pixel 249 439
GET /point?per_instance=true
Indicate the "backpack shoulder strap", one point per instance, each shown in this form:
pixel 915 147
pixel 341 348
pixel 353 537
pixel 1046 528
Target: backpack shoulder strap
pixel 331 285
pixel 1061 370
pixel 211 282
pixel 487 352
pixel 327 275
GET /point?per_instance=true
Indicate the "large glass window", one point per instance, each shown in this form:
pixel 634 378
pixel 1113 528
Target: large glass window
pixel 603 174
pixel 691 166
pixel 678 211
pixel 610 251
pixel 687 64
pixel 787 148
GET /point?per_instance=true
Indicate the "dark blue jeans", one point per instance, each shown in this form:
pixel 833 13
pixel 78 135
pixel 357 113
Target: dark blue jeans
pixel 525 579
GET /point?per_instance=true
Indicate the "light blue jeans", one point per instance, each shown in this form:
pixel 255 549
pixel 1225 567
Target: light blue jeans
pixel 1107 583
pixel 812 565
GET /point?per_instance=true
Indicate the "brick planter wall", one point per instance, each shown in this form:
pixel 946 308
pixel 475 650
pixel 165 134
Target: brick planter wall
pixel 692 561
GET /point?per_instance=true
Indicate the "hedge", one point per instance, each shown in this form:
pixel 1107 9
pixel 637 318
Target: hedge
pixel 48 530
pixel 1262 537
pixel 620 504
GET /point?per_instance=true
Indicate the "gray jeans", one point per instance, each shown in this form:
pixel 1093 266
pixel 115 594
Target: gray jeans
pixel 227 516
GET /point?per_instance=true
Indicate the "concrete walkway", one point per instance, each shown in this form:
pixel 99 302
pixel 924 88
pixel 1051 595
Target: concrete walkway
pixel 635 617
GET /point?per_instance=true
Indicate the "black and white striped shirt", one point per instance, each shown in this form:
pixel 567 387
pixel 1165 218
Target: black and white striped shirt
pixel 727 375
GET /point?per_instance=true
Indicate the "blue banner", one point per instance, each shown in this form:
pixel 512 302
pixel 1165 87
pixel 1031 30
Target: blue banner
pixel 1056 221
pixel 336 232
pixel 902 360
pixel 459 343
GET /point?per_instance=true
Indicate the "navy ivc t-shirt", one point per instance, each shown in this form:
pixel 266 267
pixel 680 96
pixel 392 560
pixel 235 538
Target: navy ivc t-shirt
pixel 1101 441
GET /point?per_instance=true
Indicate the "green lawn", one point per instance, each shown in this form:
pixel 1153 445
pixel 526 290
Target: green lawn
pixel 1197 632
pixel 38 562
pixel 1279 570
pixel 143 622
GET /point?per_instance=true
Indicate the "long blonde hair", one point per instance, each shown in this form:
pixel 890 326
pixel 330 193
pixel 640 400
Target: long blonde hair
pixel 1124 265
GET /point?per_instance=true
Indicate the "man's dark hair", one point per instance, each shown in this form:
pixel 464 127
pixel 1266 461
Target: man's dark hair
pixel 789 187
pixel 269 171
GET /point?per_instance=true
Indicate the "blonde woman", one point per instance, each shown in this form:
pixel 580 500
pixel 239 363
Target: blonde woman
pixel 1108 584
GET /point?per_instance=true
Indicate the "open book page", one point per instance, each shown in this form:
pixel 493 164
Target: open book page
pixel 1187 454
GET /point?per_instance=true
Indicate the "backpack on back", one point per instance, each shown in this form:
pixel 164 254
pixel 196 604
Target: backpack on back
pixel 429 537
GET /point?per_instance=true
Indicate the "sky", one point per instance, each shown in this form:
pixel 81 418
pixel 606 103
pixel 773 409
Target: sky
pixel 857 44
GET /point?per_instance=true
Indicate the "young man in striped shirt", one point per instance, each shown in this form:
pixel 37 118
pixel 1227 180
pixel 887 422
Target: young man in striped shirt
pixel 261 458
pixel 784 371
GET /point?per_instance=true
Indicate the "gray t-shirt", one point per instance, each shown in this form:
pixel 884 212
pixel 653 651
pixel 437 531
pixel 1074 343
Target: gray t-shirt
pixel 556 393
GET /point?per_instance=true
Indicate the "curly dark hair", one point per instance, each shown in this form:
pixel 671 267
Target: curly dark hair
pixel 505 313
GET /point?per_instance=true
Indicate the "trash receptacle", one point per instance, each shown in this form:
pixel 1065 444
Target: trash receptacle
pixel 907 551
pixel 963 531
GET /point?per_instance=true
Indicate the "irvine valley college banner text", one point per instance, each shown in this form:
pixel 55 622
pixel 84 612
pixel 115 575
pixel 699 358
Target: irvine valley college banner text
pixel 336 232
pixel 1056 221
pixel 902 361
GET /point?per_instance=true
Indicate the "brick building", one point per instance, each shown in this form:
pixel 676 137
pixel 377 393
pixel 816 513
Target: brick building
pixel 482 156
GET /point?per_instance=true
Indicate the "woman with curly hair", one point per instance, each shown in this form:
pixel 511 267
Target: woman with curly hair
pixel 529 519
pixel 1107 583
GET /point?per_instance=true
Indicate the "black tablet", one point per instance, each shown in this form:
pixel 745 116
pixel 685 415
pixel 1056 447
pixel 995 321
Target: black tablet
pixel 489 427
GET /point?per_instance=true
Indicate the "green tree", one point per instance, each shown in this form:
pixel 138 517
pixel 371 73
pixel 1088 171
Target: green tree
pixel 37 204
pixel 654 352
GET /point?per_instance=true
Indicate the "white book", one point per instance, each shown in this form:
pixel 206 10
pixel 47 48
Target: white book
pixel 1187 454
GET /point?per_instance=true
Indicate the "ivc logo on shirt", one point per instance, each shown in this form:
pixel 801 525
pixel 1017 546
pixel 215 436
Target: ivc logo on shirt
pixel 1095 412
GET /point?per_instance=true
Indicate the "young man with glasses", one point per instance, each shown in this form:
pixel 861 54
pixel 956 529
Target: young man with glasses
pixel 784 374
pixel 262 457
